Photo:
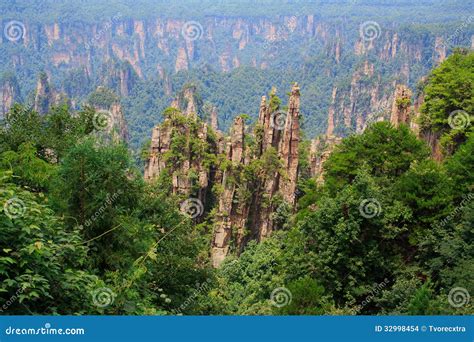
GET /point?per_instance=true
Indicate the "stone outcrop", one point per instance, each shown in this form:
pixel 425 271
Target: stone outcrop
pixel 245 208
pixel 9 94
pixel 439 54
pixel 187 101
pixel 119 76
pixel 43 95
pixel 160 144
pixel 46 96
pixel 401 106
pixel 433 140
pixel 75 44
pixel 401 109
pixel 418 101
pixel 186 106
pixel 404 111
pixel 227 43
pixel 330 129
pixel 109 117
pixel 214 119
pixel 320 150
pixel 352 107
pixel 244 205
pixel 120 125
pixel 288 149
pixel 181 60
pixel 252 181
pixel 226 212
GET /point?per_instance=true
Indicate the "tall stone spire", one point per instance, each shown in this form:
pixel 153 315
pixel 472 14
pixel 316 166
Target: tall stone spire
pixel 43 95
pixel 191 107
pixel 330 129
pixel 9 94
pixel 401 105
pixel 160 144
pixel 289 146
pixel 262 118
pixel 245 202
pixel 224 220
pixel 214 119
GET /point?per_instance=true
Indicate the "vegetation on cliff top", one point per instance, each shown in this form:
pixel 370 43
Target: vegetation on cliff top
pixel 46 11
pixel 390 231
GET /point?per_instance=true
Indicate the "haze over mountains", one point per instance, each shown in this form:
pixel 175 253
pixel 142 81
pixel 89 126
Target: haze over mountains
pixel 346 56
pixel 236 157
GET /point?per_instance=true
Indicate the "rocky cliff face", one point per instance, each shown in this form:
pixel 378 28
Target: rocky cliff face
pixel 226 208
pixel 401 106
pixel 404 110
pixel 247 206
pixel 119 128
pixel 407 111
pixel 179 134
pixel 288 147
pixel 214 118
pixel 359 73
pixel 9 94
pixel 366 98
pixel 321 149
pixel 44 95
pixel 175 44
pixel 109 117
pixel 119 76
pixel 251 182
pixel 160 140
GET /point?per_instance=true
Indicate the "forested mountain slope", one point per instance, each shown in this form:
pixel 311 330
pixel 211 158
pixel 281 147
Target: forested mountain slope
pixel 347 56
pixel 250 222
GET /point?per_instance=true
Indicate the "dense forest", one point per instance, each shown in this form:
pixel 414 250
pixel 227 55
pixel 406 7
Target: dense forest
pixel 389 231
pixel 91 10
pixel 240 50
